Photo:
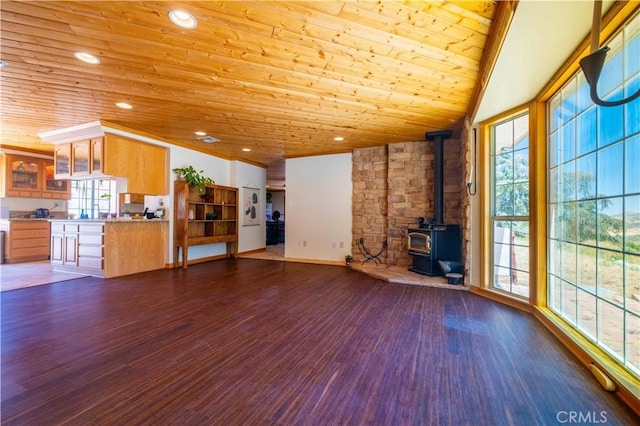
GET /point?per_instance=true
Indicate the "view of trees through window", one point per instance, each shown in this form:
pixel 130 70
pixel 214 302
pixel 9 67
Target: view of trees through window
pixel 594 204
pixel 92 197
pixel 510 236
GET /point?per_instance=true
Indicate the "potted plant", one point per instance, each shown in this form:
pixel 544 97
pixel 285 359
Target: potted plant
pixel 194 178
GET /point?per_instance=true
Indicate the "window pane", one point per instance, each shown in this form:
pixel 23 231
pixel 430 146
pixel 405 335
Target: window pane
pixel 569 262
pixel 521 284
pixel 587 263
pixel 554 299
pixel 610 180
pixel 586 132
pixel 569 295
pixel 521 199
pixel 632 340
pixel 569 222
pixel 586 176
pixel 586 217
pixel 584 99
pixel 609 224
pixel 568 181
pixel 504 168
pixel 612 71
pixel 610 276
pixel 632 280
pixel 587 314
pixel 555 257
pixel 632 109
pixel 504 200
pixel 610 125
pixel 610 332
pixel 503 137
pixel 554 149
pixel 632 224
pixel 632 163
pixel 568 144
pixel 554 184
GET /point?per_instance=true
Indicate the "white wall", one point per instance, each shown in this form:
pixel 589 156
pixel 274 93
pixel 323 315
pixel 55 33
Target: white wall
pixel 245 175
pixel 318 206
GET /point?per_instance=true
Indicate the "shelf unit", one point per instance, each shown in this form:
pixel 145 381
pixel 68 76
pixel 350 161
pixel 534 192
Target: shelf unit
pixel 204 219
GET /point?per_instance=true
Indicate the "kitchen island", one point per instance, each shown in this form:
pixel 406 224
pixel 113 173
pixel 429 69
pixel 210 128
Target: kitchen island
pixel 108 247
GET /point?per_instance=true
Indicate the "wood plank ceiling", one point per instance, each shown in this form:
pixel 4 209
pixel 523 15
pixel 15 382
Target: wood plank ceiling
pixel 280 78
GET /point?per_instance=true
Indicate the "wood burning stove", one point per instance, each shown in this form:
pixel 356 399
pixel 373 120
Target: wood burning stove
pixel 435 241
pixel 428 246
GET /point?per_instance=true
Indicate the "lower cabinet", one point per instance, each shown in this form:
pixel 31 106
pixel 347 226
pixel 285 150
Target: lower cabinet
pixel 26 240
pixel 78 247
pixel 108 248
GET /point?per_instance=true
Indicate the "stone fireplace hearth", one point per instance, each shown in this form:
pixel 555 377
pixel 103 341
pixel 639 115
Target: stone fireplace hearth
pixel 393 185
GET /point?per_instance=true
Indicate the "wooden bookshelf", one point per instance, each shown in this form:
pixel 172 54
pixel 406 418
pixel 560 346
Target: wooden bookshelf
pixel 204 219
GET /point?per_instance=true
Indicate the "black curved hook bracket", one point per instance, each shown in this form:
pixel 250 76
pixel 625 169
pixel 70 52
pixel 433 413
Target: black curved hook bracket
pixel 592 67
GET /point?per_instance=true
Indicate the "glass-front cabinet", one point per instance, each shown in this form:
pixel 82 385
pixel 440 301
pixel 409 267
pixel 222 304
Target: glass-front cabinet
pixel 52 186
pixel 23 176
pixel 96 155
pixel 80 151
pixel 31 177
pixel 62 160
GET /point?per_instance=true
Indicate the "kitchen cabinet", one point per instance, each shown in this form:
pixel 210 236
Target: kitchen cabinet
pixel 96 155
pixel 62 161
pixel 26 240
pixel 204 219
pixel 108 248
pixel 145 166
pixel 31 177
pixel 54 188
pixel 78 247
pixel 80 157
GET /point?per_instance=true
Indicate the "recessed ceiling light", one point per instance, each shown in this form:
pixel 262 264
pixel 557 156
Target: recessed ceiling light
pixel 123 105
pixel 199 133
pixel 338 139
pixel 246 149
pixel 86 57
pixel 183 19
pixel 3 64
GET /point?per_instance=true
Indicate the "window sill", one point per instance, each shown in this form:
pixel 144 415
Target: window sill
pixel 628 387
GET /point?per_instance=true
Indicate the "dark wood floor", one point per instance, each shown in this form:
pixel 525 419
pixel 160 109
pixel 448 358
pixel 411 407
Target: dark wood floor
pixel 260 342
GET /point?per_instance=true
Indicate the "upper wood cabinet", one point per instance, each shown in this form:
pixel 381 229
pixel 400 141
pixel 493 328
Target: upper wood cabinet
pixel 80 158
pixel 145 166
pixel 62 161
pixel 51 187
pixel 97 155
pixel 31 177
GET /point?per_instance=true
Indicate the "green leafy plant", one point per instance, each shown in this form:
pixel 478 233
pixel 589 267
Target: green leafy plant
pixel 193 177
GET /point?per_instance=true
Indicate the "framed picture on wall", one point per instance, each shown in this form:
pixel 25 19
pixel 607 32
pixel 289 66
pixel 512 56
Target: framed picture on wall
pixel 250 206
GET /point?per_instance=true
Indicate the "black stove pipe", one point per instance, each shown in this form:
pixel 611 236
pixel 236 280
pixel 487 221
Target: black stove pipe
pixel 438 171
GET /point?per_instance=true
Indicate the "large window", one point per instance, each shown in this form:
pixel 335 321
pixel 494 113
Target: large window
pixel 510 205
pixel 594 204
